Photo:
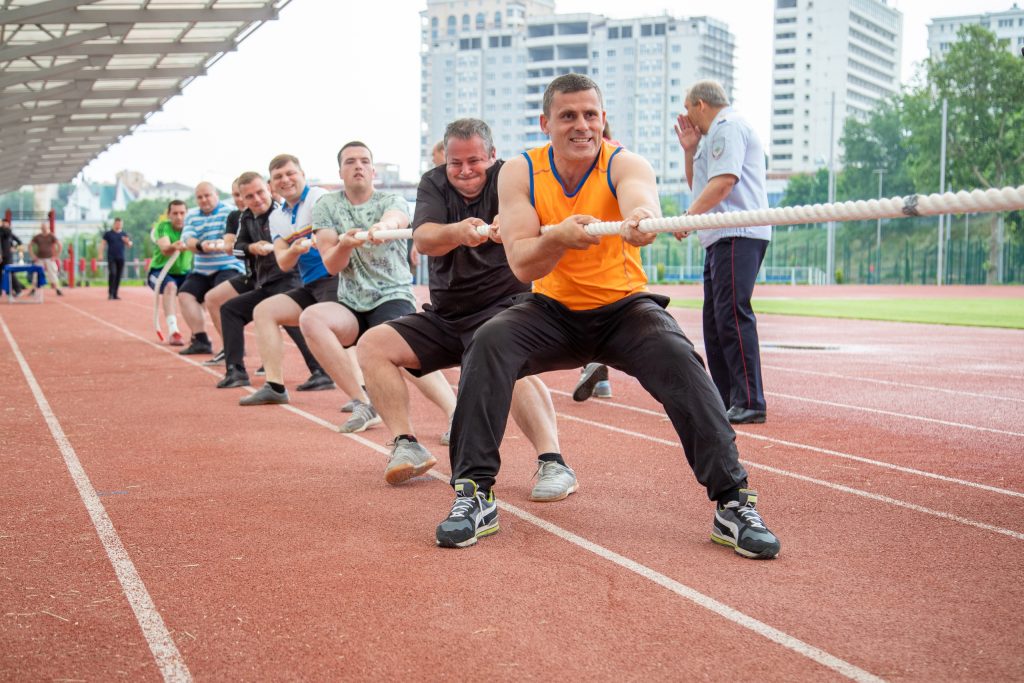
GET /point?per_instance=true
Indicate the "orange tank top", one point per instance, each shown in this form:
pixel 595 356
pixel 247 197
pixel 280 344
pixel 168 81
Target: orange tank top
pixel 604 273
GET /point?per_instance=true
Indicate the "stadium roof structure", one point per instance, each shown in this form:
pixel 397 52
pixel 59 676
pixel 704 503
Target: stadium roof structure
pixel 77 77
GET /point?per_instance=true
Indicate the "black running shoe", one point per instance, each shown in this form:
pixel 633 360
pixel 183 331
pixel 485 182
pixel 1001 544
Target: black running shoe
pixel 739 526
pixel 473 515
pixel 196 348
pixel 318 381
pixel 217 359
pixel 591 375
pixel 234 378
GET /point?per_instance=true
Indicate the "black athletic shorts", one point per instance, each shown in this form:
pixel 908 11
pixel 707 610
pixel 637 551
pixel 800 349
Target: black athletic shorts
pixel 243 283
pixel 198 284
pixel 316 292
pixel 439 342
pixel 387 311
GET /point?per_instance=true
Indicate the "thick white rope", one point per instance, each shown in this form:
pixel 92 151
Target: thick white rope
pixel 976 201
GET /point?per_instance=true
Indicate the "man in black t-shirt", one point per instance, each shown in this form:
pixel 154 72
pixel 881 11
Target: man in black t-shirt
pixel 7 241
pixel 470 282
pixel 252 241
pixel 115 242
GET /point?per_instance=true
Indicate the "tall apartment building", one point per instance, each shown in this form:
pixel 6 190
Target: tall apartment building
pixel 1008 25
pixel 499 72
pixel 849 48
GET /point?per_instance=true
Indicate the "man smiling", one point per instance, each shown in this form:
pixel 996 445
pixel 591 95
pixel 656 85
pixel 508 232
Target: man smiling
pixel 470 282
pixel 590 303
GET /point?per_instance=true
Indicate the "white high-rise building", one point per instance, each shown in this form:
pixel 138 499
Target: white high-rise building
pixel 499 73
pixel 847 48
pixel 1008 25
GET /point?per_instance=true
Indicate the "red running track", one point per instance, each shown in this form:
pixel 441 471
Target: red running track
pixel 201 540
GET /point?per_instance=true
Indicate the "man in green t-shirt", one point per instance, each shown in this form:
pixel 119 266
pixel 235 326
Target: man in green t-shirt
pixel 167 238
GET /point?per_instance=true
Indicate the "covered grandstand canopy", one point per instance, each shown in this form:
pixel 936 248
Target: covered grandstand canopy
pixel 76 77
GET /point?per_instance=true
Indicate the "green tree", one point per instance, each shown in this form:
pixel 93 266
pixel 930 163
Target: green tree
pixel 16 201
pixel 877 143
pixel 139 217
pixel 806 188
pixel 982 82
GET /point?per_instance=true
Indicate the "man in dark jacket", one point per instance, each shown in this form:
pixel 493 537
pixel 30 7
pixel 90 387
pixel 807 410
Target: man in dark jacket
pixel 7 241
pixel 253 243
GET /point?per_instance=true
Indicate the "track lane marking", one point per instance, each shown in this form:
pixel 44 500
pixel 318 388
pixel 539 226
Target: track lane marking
pixel 731 614
pixel 886 382
pixel 906 416
pixel 820 482
pixel 827 451
pixel 161 644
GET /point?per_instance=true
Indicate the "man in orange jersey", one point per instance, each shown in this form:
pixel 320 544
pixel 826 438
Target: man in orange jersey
pixel 589 303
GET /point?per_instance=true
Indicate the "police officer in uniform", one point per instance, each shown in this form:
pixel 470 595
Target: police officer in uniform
pixel 725 167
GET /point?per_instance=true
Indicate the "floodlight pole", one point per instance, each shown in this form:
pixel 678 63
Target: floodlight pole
pixel 830 247
pixel 942 185
pixel 878 235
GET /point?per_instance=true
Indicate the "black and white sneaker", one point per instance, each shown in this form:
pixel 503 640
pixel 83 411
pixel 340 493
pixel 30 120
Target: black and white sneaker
pixel 217 359
pixel 473 515
pixel 739 526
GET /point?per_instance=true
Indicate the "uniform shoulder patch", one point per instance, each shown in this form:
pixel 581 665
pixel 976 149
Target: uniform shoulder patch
pixel 717 148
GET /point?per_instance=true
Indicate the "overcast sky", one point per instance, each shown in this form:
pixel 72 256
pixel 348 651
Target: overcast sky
pixel 328 71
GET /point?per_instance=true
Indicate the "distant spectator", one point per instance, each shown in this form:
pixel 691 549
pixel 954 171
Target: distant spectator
pixel 7 241
pixel 438 153
pixel 46 249
pixel 115 242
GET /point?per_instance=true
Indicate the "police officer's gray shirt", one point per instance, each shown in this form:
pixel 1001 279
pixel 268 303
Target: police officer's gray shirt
pixel 731 147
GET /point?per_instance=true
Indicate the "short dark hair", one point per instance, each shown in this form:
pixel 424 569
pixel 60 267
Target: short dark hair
pixel 176 202
pixel 247 178
pixel 282 159
pixel 569 83
pixel 465 129
pixel 118 218
pixel 354 143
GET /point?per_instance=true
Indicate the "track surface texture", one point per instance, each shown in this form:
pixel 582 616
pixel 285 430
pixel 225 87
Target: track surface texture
pixel 152 528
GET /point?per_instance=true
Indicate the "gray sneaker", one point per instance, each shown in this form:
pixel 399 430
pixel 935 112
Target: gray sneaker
pixel 554 482
pixel 265 396
pixel 408 459
pixel 363 416
pixel 446 438
pixel 350 406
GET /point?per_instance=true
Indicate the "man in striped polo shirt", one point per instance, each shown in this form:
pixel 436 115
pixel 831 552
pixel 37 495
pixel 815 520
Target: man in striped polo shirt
pixel 204 225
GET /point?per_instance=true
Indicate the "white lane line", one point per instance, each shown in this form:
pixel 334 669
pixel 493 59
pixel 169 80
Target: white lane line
pixel 820 482
pixel 904 416
pixel 165 652
pixel 890 383
pixel 827 451
pixel 787 641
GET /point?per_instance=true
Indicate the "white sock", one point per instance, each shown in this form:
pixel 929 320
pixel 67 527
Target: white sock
pixel 172 324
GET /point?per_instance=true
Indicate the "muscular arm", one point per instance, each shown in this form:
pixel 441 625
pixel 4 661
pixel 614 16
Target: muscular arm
pixel 532 255
pixel 637 191
pixel 434 239
pixel 288 255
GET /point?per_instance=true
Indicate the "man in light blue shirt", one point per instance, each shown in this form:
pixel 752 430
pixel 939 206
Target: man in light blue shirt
pixel 725 167
pixel 213 263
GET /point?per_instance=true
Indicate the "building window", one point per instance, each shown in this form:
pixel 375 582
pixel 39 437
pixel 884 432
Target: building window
pixel 465 22
pixel 613 33
pixel 645 30
pixel 434 23
pixel 497 20
pixel 785 4
pixel 627 31
pixel 784 36
pixel 480 21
